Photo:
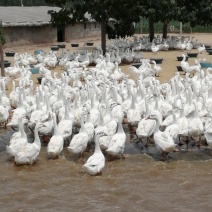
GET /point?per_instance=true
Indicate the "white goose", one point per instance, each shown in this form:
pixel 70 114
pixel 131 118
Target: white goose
pixel 101 128
pixel 133 114
pixel 184 64
pixel 94 112
pixel 48 125
pixel 183 127
pixel 55 145
pixel 4 114
pixel 154 48
pixel 163 141
pixel 13 96
pixel 157 69
pixel 13 72
pixel 111 128
pixel 195 125
pixel 17 140
pixel 36 115
pixel 89 128
pixel 146 126
pixel 127 102
pixel 117 142
pixel 79 142
pixel 96 162
pixel 201 48
pixel 5 99
pixel 65 125
pixel 29 152
pixel 20 111
pixel 30 98
pixel 208 132
pixel 173 129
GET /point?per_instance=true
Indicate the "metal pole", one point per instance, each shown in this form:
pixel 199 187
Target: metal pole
pixel 22 3
pixel 181 26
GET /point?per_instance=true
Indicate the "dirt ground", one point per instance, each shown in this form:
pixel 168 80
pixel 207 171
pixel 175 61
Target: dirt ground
pixel 169 57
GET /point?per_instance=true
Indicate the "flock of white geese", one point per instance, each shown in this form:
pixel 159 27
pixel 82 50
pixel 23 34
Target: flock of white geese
pixel 157 44
pixel 90 104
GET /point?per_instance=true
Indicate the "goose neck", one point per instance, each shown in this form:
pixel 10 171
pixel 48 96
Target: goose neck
pixel 141 90
pixel 13 86
pixel 37 138
pixel 37 102
pixel 82 129
pixel 173 88
pixel 31 89
pixel 3 88
pixel 196 113
pixel 203 102
pixel 55 125
pixel 0 97
pixel 97 146
pixel 133 101
pixel 174 117
pixel 21 129
pixel 156 103
pixel 120 127
pixel 101 121
pixel 210 90
pixel 20 102
pixel 115 95
pixel 182 113
pixel 156 129
pixel 147 106
pixel 67 117
pixel 176 84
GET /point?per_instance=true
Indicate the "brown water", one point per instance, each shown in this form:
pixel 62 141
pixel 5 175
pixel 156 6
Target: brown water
pixel 139 183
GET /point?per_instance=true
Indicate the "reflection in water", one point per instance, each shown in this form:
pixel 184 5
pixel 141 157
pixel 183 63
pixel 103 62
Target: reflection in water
pixel 139 183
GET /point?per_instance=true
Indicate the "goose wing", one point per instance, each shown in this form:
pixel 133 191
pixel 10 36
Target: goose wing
pixel 95 159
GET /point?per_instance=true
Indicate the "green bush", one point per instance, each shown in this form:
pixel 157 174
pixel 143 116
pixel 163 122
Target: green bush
pixel 173 26
pixel 2 38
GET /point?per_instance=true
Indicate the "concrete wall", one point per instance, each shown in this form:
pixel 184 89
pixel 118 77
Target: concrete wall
pixel 23 35
pixel 82 30
pixel 26 35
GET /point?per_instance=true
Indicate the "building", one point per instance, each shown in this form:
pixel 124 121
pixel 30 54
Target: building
pixel 31 25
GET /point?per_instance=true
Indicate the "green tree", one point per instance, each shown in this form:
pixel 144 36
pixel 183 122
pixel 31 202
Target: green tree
pixel 156 11
pixel 123 12
pixel 2 42
pixel 194 12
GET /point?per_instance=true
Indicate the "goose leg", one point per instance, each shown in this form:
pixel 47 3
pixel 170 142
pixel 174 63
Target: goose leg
pixel 147 142
pixel 46 138
pixel 99 173
pixel 122 157
pixel 5 125
pixel 199 143
pixel 164 156
pixel 14 129
pixel 80 158
pixel 131 129
pixel 89 149
pixel 32 131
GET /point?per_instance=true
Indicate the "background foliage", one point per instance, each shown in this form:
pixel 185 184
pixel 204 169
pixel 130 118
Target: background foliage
pixel 173 27
pixel 2 38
